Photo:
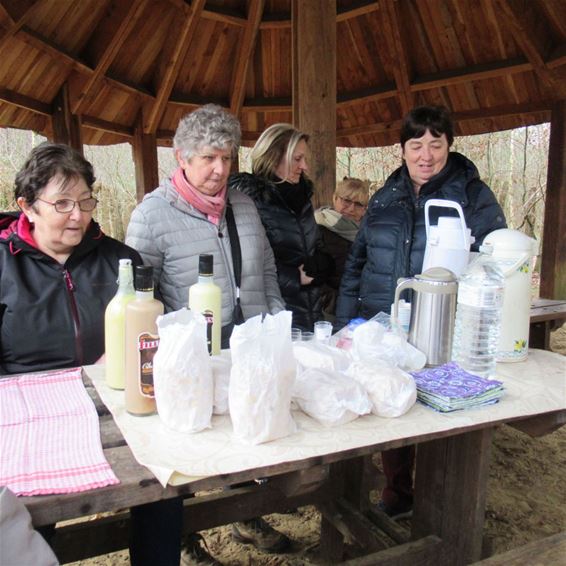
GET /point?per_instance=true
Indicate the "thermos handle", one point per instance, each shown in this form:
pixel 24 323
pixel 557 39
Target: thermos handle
pixel 402 285
pixel 445 204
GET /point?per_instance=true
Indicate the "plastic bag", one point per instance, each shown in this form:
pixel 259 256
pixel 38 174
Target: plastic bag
pixel 182 372
pixel 261 378
pixel 372 341
pixel 391 390
pixel 314 354
pixel 221 366
pixel 330 397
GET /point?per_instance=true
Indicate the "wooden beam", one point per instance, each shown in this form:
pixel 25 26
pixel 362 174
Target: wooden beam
pixel 503 110
pixel 399 54
pixel 31 37
pixel 17 23
pixel 144 152
pixel 224 16
pixel 66 124
pixel 314 88
pixel 275 104
pixel 91 89
pixel 25 102
pixel 553 267
pixel 558 57
pixel 105 126
pixel 184 39
pixel 378 128
pixel 493 70
pixel 382 92
pixel 524 23
pixel 244 56
pixel 361 8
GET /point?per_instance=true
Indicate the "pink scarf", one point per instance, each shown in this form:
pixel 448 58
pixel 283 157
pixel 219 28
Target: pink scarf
pixel 212 206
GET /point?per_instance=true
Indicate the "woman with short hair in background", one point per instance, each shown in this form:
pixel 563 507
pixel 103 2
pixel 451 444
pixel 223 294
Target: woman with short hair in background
pixel 338 225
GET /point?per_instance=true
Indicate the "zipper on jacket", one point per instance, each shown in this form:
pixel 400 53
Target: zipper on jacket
pixel 70 286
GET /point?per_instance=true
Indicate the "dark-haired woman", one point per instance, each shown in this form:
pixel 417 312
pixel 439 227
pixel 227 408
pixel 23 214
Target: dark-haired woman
pixel 391 243
pixel 58 272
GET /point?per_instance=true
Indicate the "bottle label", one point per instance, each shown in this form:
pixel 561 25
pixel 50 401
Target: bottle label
pixel 480 297
pixel 147 346
pixel 209 316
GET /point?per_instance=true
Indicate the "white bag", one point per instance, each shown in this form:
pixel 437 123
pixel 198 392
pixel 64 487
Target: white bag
pixel 313 354
pixel 330 397
pixel 392 391
pixel 182 373
pixel 261 379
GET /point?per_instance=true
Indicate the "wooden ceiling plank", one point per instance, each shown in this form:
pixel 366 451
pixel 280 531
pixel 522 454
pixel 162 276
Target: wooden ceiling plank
pixel 519 19
pixel 557 58
pixel 402 70
pixel 245 54
pixel 6 15
pixel 223 16
pixel 497 69
pixel 388 90
pixel 25 102
pixel 89 92
pixel 185 37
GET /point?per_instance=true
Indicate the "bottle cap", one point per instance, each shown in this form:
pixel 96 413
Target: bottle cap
pixel 205 263
pixel 124 262
pixel 144 278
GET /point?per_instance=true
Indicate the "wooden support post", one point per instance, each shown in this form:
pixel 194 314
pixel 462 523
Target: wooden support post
pixel 450 484
pixel 314 88
pixel 144 151
pixel 553 268
pixel 66 125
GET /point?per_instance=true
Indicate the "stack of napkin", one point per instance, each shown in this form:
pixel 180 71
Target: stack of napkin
pixel 450 388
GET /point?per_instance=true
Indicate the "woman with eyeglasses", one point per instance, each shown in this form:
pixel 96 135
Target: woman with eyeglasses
pixel 58 271
pixel 282 192
pixel 338 226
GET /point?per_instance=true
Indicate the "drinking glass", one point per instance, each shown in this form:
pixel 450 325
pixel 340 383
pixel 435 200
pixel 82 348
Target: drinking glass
pixel 323 331
pixel 296 334
pixel 307 336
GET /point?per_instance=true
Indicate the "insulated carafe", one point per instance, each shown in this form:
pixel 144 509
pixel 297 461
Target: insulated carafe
pixel 431 327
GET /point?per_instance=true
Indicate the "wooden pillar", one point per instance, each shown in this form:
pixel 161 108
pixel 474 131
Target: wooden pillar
pixel 66 125
pixel 314 88
pixel 553 268
pixel 144 152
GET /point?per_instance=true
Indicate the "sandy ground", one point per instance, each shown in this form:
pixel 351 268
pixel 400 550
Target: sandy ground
pixel 526 501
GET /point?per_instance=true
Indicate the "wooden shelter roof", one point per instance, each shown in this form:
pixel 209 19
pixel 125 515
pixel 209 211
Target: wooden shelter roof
pixel 497 64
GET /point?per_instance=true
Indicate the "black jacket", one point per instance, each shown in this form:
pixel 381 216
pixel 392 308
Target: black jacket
pixel 392 237
pixel 52 315
pixel 295 240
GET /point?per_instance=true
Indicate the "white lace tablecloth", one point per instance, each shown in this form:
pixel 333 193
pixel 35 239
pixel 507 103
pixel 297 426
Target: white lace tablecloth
pixel 535 386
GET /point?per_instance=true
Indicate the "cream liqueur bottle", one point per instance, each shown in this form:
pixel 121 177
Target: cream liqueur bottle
pixel 115 327
pixel 206 297
pixel 142 340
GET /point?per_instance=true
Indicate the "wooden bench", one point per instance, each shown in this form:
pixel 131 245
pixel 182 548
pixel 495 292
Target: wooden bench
pixel 546 315
pixel 550 551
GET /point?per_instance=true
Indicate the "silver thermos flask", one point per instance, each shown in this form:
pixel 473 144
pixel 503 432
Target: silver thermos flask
pixel 433 311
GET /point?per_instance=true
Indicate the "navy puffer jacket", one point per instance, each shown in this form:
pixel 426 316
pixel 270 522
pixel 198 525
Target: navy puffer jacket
pixel 295 241
pixel 392 237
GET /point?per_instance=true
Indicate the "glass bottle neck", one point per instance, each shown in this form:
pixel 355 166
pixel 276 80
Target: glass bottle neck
pixel 205 278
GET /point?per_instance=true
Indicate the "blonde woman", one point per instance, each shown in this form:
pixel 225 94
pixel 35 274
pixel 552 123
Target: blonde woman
pixel 282 192
pixel 338 225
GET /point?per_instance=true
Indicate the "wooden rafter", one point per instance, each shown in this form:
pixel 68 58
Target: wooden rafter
pixel 361 9
pixel 245 54
pixel 31 37
pixel 26 102
pixel 16 25
pixel 399 53
pixel 520 18
pixel 90 90
pixel 173 65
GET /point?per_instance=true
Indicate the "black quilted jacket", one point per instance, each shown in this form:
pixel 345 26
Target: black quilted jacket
pixel 52 315
pixel 295 241
pixel 392 237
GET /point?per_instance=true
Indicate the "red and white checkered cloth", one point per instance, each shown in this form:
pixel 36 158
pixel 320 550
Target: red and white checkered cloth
pixel 49 435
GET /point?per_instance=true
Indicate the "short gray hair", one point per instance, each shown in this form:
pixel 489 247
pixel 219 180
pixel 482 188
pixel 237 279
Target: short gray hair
pixel 208 125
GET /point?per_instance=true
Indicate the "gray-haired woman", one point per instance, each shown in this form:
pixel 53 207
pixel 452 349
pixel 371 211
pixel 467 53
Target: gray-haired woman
pixel 185 217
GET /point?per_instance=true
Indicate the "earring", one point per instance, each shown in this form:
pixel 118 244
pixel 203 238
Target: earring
pixel 30 219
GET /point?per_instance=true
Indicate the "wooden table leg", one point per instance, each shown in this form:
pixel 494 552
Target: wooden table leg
pixel 450 492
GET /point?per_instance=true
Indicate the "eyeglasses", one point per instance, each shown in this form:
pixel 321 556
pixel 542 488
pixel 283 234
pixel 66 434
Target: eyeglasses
pixel 354 203
pixel 66 205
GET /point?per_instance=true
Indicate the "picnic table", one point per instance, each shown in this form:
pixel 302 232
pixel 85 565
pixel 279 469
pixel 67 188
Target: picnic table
pixel 331 468
pixel 546 316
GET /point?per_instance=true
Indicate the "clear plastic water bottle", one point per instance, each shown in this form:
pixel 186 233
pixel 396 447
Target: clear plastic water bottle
pixel 478 317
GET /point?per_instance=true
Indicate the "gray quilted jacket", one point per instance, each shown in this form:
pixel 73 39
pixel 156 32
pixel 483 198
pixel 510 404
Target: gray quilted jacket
pixel 170 234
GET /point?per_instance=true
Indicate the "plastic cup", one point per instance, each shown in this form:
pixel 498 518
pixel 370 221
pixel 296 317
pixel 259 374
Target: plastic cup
pixel 296 335
pixel 307 336
pixel 323 331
